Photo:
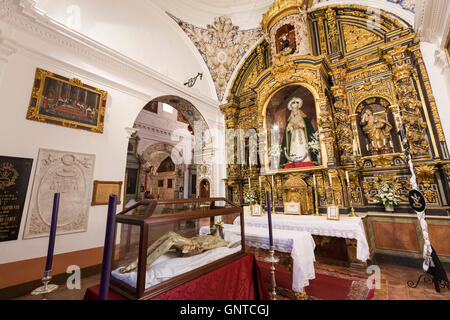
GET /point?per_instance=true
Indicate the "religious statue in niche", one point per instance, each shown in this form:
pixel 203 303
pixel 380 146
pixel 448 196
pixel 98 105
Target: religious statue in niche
pixel 299 132
pixel 378 132
pixel 286 39
pixel 292 118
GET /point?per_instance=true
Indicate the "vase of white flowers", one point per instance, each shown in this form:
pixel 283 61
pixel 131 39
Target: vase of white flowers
pixel 251 197
pixel 387 196
pixel 314 144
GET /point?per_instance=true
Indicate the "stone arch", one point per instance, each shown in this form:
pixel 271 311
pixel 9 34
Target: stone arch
pixel 203 140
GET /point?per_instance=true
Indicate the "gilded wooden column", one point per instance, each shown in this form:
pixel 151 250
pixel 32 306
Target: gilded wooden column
pixel 344 132
pixel 400 60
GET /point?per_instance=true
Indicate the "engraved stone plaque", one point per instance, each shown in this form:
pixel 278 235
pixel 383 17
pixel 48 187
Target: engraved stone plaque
pixel 70 174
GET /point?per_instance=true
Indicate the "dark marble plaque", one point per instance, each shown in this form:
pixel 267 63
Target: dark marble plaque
pixel 14 179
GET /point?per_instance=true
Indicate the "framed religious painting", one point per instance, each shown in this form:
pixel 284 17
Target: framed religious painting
pixel 66 102
pixel 333 213
pixel 102 191
pixel 256 210
pixel 292 130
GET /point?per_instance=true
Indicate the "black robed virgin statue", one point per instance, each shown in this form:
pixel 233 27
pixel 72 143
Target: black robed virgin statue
pixel 298 133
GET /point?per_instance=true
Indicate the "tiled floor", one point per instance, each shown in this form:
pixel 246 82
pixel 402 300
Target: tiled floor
pixel 393 286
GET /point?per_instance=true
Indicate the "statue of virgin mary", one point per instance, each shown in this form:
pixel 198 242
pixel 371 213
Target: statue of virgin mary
pixel 298 133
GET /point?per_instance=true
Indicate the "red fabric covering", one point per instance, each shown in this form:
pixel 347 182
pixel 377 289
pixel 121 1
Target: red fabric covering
pixel 239 280
pixel 328 285
pixel 300 165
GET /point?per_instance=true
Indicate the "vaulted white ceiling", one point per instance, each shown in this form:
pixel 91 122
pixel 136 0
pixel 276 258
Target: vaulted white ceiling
pixel 247 14
pixel 244 13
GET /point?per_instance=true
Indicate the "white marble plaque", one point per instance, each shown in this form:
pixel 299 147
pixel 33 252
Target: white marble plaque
pixel 71 175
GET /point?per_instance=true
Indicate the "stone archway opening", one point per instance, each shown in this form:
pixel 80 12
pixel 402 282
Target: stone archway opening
pixel 169 130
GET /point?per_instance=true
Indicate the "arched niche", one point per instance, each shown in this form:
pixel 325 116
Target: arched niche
pixel 281 120
pixel 373 118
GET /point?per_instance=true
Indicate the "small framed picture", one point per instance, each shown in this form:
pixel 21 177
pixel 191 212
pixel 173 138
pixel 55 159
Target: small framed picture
pixel 256 210
pixel 102 191
pixel 292 208
pixel 333 213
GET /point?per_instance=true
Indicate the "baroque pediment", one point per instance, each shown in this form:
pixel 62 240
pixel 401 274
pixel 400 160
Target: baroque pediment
pixel 357 37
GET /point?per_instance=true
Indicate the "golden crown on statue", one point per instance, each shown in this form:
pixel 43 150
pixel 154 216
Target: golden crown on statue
pixel 282 8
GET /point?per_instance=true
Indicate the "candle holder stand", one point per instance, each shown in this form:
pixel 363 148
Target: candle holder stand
pixel 272 259
pixel 316 200
pixel 352 209
pixel 47 287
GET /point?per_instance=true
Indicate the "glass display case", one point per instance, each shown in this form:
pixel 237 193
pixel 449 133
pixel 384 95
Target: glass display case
pixel 164 244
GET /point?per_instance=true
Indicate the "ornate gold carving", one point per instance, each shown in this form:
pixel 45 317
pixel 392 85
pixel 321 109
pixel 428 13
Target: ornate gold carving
pixel 280 9
pixel 432 101
pixel 333 32
pixel 425 177
pixel 295 189
pixel 357 37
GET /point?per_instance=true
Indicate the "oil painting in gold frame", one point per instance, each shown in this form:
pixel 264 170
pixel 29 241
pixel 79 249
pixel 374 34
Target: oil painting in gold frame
pixel 67 102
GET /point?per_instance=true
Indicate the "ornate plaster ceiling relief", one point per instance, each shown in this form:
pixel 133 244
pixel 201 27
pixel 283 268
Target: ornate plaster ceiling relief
pixel 222 45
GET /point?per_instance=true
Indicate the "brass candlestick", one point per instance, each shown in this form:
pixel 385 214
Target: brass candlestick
pixel 350 200
pixel 273 259
pixel 47 287
pixel 352 210
pixel 316 200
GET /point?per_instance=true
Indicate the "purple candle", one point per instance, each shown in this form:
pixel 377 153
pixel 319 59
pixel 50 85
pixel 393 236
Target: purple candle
pixel 108 249
pixel 51 241
pixel 269 216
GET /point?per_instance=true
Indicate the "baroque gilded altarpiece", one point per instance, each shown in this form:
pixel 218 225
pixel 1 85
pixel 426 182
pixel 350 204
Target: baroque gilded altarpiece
pixel 366 73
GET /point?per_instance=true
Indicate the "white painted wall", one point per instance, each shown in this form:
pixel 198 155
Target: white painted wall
pixel 38 42
pixel 140 31
pixel 439 74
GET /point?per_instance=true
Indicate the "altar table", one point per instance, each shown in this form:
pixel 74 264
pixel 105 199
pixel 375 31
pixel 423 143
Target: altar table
pixel 299 244
pixel 346 227
pixel 238 280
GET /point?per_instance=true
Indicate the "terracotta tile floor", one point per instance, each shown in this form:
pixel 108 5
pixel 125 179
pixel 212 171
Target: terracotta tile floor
pixel 393 285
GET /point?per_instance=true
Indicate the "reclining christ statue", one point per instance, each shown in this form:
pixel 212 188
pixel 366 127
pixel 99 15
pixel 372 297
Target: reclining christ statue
pixel 185 246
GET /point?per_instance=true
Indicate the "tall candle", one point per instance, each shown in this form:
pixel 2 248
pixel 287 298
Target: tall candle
pixel 346 176
pixel 273 184
pixel 269 216
pixel 51 241
pixel 331 180
pixel 108 249
pixel 315 182
pixel 259 182
pixel 249 183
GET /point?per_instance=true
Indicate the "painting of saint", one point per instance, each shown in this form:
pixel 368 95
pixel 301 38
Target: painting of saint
pixel 291 117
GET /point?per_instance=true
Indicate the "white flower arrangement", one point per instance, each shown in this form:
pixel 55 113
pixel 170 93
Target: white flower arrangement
pixel 251 197
pixel 314 144
pixel 275 151
pixel 386 194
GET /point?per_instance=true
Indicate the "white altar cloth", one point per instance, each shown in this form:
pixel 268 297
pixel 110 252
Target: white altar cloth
pixel 299 244
pixel 346 227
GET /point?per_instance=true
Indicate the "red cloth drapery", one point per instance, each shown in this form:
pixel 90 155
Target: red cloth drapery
pixel 239 280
